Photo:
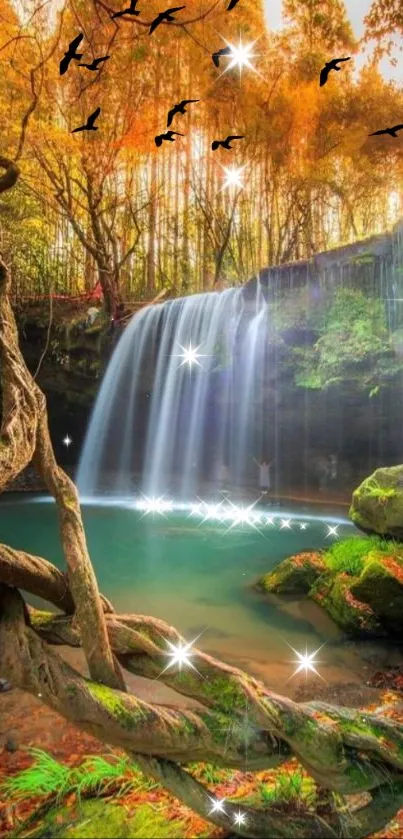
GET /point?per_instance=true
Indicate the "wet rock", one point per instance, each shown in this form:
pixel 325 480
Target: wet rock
pixel 295 575
pixel 377 504
pixel 11 744
pixel 334 593
pixel 5 686
pixel 380 585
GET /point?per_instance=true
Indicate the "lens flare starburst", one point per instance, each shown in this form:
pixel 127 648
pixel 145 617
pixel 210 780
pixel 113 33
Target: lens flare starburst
pixel 180 655
pixel 240 56
pixel 306 662
pixel 154 506
pixel 239 818
pixel 233 176
pixel 190 356
pixel 218 805
pixel 332 531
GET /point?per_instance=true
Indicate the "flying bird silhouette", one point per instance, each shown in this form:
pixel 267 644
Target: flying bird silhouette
pixel 217 55
pixel 130 11
pixel 232 5
pixel 95 63
pixel 89 125
pixel 330 65
pixel 390 131
pixel 167 16
pixel 226 143
pixel 180 108
pixel 169 135
pixel 71 54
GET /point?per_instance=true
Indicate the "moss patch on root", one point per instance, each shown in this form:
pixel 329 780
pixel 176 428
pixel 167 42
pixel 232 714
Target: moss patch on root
pixel 114 706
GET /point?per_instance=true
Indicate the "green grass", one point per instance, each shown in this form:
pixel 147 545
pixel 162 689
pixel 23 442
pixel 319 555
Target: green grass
pixel 350 554
pixel 289 789
pixel 96 774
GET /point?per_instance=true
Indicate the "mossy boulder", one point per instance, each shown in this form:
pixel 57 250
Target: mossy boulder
pixel 377 504
pixel 381 587
pixel 295 575
pixel 335 594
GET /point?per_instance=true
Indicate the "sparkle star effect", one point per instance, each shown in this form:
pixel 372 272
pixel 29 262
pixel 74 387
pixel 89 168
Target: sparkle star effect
pixel 154 505
pixel 285 524
pixel 190 356
pixel 180 655
pixel 306 662
pixel 218 805
pixel 303 526
pixel 239 818
pixel 240 56
pixel 67 441
pixel 233 176
pixel 332 531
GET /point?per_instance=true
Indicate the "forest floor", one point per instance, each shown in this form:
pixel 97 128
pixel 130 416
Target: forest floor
pixel 144 809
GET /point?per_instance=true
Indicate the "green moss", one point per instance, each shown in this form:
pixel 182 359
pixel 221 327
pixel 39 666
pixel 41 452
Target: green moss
pixel 39 618
pixel 226 693
pixel 96 819
pixel 129 719
pixel 349 555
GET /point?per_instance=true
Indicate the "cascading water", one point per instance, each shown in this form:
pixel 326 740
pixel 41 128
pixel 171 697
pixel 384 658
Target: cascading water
pixel 199 418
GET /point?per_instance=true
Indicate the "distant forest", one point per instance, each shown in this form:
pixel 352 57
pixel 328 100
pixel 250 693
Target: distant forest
pixel 110 207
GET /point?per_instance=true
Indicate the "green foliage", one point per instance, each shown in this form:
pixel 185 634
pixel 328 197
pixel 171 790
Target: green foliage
pixel 46 776
pixel 289 789
pixel 95 775
pixel 353 338
pixel 349 555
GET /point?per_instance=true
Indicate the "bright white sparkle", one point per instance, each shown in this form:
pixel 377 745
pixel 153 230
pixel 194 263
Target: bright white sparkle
pixel 218 805
pixel 333 531
pixel 239 818
pixel 190 355
pixel 233 176
pixel 303 526
pixel 240 55
pixel 180 655
pixel 306 662
pixel 154 505
pixel 285 524
pixel 67 441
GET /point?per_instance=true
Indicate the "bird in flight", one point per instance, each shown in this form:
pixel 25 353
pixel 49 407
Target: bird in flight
pixel 167 16
pixel 95 63
pixel 226 143
pixel 130 11
pixel 391 131
pixel 90 124
pixel 217 55
pixel 232 5
pixel 169 135
pixel 180 108
pixel 71 54
pixel 330 65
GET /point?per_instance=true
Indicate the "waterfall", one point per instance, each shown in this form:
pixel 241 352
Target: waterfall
pixel 174 423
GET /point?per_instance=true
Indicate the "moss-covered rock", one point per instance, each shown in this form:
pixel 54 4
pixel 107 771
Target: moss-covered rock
pixel 381 587
pixel 295 575
pixel 377 504
pixel 334 593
